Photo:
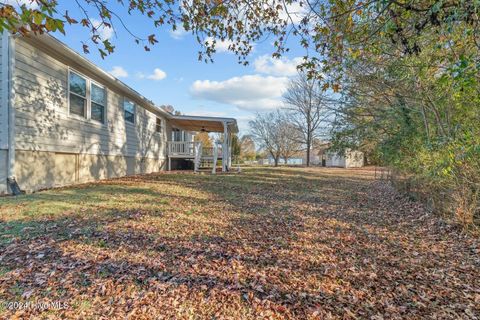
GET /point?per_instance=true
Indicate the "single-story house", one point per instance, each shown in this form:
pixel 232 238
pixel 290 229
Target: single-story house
pixel 63 120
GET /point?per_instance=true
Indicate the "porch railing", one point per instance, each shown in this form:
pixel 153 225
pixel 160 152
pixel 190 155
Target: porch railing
pixel 182 148
pixel 190 149
pixel 196 152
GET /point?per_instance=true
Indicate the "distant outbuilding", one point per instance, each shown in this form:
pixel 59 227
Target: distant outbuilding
pixel 350 159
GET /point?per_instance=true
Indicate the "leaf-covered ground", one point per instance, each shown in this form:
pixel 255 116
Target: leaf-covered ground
pixel 266 243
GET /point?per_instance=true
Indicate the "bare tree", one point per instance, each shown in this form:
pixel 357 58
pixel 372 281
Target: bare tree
pixel 290 140
pixel 247 148
pixel 275 134
pixel 309 109
pixel 265 129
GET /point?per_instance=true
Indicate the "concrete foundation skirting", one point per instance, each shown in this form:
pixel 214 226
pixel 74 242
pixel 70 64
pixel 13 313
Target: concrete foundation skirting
pixel 36 170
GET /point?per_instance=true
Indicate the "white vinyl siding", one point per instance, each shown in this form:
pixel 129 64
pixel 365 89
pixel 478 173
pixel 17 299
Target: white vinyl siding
pixel 351 159
pixel 335 160
pixel 43 122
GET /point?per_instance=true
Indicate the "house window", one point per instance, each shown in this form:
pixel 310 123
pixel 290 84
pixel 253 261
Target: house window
pixel 78 95
pixel 176 135
pixel 129 110
pixel 98 103
pixel 86 98
pixel 158 125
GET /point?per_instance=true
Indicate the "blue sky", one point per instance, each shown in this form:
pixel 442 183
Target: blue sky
pixel 171 74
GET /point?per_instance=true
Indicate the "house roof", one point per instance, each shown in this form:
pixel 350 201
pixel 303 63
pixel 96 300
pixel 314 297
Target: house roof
pixel 54 46
pixel 192 123
pixel 199 123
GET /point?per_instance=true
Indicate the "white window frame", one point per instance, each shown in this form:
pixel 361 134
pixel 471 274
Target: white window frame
pixel 104 105
pixel 88 111
pixel 161 125
pixel 73 115
pixel 134 111
pixel 174 135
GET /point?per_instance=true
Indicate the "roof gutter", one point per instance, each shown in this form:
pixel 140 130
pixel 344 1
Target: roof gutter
pixel 60 47
pixel 229 121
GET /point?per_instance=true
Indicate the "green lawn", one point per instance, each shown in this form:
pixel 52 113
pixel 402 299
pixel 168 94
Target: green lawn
pixel 265 243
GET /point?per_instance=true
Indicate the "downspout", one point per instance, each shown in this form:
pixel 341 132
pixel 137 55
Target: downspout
pixel 11 178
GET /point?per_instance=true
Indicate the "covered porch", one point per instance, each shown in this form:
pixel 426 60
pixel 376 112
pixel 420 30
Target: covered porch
pixel 195 151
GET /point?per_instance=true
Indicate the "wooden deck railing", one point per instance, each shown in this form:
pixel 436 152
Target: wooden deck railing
pixel 182 148
pixel 194 151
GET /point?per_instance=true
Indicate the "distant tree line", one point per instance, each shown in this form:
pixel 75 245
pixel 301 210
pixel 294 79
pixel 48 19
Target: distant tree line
pixel 303 119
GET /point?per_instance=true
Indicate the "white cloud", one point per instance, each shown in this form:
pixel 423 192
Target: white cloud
pixel 259 105
pixel 17 3
pixel 179 33
pixel 220 46
pixel 205 113
pixel 251 92
pixel 243 123
pixel 119 72
pixel 157 75
pixel 294 12
pixel 103 31
pixel 278 67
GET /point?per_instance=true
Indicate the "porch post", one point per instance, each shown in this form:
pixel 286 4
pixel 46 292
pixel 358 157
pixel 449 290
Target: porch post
pixel 224 148
pixel 230 138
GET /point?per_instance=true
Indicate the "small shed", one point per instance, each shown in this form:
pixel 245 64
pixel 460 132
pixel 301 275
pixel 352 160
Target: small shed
pixel 350 159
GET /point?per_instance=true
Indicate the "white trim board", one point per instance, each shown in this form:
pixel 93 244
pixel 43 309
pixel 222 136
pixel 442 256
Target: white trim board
pixel 4 92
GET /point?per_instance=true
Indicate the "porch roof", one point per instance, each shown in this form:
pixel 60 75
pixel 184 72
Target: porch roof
pixel 199 123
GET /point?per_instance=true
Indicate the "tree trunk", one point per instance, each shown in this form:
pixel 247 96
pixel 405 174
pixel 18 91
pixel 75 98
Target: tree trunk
pixel 308 153
pixel 276 161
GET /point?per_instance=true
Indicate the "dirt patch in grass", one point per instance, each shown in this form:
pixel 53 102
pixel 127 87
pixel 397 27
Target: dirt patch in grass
pixel 266 243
